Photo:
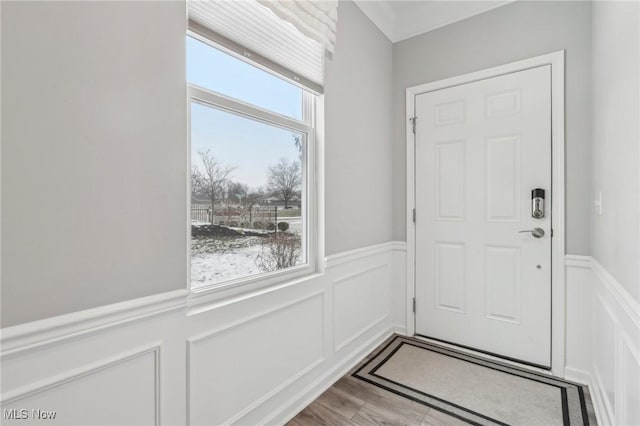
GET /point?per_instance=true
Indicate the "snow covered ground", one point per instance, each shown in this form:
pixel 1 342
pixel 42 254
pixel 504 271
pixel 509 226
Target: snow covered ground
pixel 219 258
pixel 223 258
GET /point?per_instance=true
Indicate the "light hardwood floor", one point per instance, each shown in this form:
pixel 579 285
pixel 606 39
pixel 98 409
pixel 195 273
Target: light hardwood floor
pixel 353 402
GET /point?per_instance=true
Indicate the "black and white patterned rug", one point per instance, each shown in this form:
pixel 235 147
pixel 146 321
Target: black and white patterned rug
pixel 475 390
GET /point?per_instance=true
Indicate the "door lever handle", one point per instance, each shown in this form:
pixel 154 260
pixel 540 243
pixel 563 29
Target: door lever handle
pixel 535 232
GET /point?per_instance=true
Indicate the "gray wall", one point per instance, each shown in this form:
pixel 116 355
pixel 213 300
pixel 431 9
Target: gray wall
pixel 359 132
pixel 516 31
pixel 94 159
pixel 615 235
pixel 93 154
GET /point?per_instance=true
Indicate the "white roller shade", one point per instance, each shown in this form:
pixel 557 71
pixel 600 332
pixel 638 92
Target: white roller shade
pixel 255 31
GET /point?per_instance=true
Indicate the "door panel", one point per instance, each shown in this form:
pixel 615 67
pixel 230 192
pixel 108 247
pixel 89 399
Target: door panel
pixel 450 194
pixel 481 148
pixel 502 284
pixel 450 279
pixel 503 179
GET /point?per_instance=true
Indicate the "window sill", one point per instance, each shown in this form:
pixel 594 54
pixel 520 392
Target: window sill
pixel 215 296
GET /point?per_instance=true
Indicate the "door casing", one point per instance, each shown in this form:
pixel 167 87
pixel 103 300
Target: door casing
pixel 556 60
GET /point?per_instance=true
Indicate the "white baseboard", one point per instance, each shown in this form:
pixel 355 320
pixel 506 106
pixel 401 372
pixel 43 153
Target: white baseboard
pixel 577 375
pixel 400 329
pixel 314 390
pixel 584 377
pixel 604 412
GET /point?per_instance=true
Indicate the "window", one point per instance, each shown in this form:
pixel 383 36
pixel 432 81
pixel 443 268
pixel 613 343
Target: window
pixel 217 71
pixel 251 138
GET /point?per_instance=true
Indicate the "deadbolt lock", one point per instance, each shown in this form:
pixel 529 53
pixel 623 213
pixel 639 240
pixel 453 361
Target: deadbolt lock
pixel 537 203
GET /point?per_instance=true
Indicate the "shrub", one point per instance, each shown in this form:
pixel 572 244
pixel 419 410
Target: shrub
pixel 283 226
pixel 271 226
pixel 233 223
pixel 258 225
pixel 279 251
pixel 244 224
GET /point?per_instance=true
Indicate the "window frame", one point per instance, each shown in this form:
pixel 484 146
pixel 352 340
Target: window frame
pixel 312 201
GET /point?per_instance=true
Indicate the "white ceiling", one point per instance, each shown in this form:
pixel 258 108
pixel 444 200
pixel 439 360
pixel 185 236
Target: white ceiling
pixel 402 19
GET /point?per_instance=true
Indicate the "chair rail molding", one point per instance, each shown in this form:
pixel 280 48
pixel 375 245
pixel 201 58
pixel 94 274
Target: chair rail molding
pixel 56 330
pixel 359 253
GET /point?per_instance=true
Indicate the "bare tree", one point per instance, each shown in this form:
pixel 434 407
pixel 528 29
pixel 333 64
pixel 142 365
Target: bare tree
pixel 237 191
pixel 253 196
pixel 211 179
pixel 285 179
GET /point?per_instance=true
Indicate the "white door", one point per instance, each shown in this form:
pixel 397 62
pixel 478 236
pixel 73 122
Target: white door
pixel 481 148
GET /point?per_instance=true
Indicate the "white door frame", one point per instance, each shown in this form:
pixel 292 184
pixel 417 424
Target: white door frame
pixel 556 60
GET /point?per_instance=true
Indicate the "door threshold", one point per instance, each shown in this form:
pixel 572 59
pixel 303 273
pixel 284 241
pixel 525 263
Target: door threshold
pixel 535 368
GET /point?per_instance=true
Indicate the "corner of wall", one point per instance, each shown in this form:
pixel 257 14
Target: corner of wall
pixel 603 340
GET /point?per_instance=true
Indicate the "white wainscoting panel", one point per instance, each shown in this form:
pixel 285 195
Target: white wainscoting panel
pixel 604 353
pixel 121 391
pixel 256 358
pixel 232 370
pixel 603 340
pixel 360 303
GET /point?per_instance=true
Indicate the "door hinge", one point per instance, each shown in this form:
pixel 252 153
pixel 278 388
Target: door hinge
pixel 414 305
pixel 413 124
pixel 414 215
pixel 551 232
